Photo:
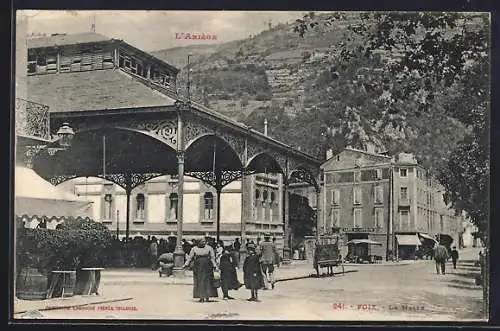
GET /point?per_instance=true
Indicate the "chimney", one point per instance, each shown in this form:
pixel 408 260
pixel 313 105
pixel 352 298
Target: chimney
pixel 265 127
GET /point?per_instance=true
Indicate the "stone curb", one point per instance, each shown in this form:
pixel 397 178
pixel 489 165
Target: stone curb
pixel 69 306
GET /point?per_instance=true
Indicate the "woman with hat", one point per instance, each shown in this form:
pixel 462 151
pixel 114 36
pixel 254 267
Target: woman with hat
pixel 203 258
pixel 253 273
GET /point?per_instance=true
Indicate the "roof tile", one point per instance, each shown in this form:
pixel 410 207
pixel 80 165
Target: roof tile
pixel 66 39
pixel 93 90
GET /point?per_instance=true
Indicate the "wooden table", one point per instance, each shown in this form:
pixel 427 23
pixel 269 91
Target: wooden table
pixel 93 281
pixel 67 282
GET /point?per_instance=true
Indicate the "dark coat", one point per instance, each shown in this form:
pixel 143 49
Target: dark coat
pixel 441 253
pixel 229 278
pixel 454 254
pixel 253 273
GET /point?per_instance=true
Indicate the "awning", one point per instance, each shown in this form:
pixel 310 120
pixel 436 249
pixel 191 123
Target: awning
pixel 408 240
pixel 426 236
pixel 34 196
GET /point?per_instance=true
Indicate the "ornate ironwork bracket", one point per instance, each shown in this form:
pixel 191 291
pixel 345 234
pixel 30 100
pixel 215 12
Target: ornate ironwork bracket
pixel 56 180
pixel 302 175
pixel 221 178
pixel 129 181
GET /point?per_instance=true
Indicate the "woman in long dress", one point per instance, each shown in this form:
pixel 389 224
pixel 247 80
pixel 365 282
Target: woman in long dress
pixel 203 258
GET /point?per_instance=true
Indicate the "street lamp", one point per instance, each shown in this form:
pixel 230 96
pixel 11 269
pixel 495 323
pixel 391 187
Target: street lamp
pixel 65 135
pixel 64 138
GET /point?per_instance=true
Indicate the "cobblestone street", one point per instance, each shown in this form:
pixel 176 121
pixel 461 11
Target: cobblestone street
pixel 375 292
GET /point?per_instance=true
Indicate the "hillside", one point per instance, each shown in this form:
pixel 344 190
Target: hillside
pixel 281 76
pixel 272 66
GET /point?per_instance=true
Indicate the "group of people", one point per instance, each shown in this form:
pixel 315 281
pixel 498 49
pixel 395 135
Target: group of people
pixel 441 255
pixel 207 262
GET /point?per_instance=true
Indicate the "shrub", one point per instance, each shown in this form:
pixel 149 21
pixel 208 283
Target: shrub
pixel 77 244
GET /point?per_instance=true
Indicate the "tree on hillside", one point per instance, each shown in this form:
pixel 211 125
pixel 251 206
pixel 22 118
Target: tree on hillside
pixel 437 65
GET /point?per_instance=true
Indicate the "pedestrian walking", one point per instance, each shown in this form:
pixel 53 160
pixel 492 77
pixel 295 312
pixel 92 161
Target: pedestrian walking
pixel 153 250
pixel 252 273
pixel 454 256
pixel 268 252
pixel 277 259
pixel 236 251
pixel 229 278
pixel 440 256
pixel 203 257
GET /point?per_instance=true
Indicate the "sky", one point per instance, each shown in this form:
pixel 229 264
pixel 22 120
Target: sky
pixel 154 30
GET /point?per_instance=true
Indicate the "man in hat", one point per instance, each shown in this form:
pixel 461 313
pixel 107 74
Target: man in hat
pixel 440 256
pixel 267 252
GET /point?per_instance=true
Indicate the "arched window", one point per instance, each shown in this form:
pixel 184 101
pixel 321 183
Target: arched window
pixel 140 202
pixel 209 205
pixel 263 204
pixel 272 206
pixel 108 203
pixel 256 214
pixel 174 203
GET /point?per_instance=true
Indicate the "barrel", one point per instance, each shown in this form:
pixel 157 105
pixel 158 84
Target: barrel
pixel 31 285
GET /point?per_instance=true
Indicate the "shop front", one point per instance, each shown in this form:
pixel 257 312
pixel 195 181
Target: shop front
pixel 373 250
pixel 408 245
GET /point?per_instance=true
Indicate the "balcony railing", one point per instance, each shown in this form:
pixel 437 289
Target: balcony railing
pixel 32 119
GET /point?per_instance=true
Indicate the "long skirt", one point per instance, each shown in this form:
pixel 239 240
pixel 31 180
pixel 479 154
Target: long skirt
pixel 203 277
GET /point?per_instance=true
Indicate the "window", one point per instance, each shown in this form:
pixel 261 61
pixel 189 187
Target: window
pixel 174 203
pixel 357 176
pixel 378 174
pixel 441 223
pixel 357 218
pixel 335 218
pixel 257 194
pixel 41 60
pixel 403 172
pixel 379 217
pixel 273 196
pixel 404 193
pixel 335 197
pixel 405 219
pixel 108 204
pixel 357 195
pixel 209 205
pixel 378 194
pixel 140 206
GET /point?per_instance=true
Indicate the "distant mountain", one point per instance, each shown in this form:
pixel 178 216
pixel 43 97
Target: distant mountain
pixel 278 74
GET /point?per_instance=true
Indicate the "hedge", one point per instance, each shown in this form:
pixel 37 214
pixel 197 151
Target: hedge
pixel 77 244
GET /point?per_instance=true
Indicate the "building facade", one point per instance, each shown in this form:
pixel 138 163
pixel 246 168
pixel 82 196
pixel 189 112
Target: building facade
pixel 389 200
pixel 91 72
pixel 154 207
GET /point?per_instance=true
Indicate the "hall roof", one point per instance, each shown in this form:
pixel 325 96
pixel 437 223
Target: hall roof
pixel 66 39
pixel 93 90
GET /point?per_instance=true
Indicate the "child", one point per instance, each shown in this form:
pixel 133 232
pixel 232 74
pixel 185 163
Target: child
pixel 252 273
pixel 229 278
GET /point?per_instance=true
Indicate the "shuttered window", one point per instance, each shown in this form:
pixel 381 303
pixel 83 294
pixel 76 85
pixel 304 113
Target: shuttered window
pixel 357 195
